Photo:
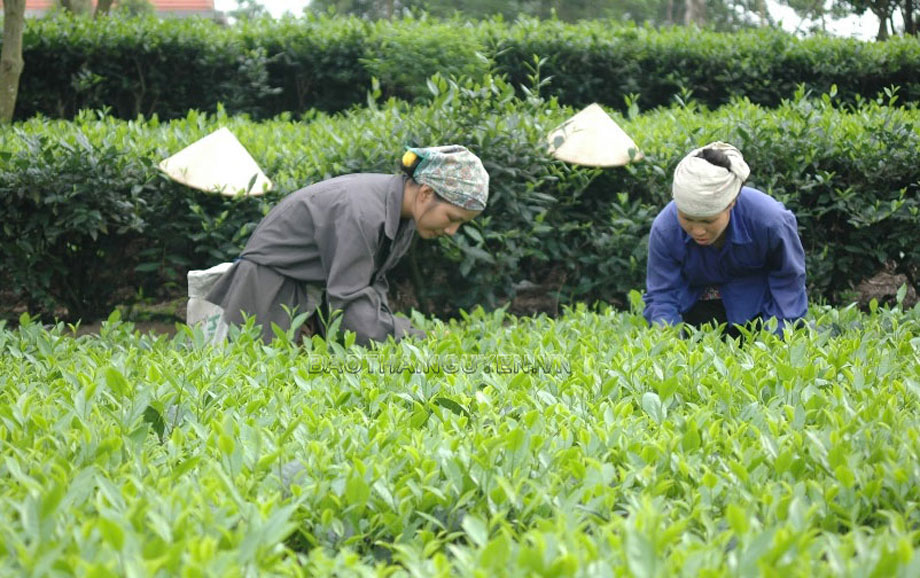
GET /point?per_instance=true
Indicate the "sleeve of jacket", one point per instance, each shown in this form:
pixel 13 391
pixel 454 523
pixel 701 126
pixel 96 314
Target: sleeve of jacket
pixel 786 278
pixel 662 281
pixel 347 246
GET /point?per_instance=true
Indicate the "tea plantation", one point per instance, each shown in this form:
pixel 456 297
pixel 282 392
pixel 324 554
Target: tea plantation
pixel 585 445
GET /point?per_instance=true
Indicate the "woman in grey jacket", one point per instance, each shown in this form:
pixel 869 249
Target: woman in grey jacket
pixel 338 238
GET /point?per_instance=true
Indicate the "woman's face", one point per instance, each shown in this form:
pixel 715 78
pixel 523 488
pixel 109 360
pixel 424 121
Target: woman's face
pixel 434 218
pixel 705 230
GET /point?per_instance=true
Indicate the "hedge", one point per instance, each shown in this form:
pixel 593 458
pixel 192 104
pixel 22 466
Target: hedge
pixel 83 199
pixel 263 68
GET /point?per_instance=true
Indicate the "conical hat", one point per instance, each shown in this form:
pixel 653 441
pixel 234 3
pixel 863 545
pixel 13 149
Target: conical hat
pixel 217 163
pixel 593 139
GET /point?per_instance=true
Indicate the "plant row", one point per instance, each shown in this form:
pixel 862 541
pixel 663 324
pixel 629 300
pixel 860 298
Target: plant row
pixel 638 454
pixel 88 219
pixel 264 68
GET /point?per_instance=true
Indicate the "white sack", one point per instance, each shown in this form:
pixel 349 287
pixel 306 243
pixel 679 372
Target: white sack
pixel 204 313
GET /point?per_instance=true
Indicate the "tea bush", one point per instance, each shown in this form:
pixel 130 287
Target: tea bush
pixel 587 445
pixel 403 57
pixel 127 66
pixel 850 174
pixel 71 213
pixel 610 63
pixel 263 68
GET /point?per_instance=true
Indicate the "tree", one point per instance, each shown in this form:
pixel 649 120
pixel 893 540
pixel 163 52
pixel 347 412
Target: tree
pixel 135 8
pixel 83 7
pixel 718 14
pixel 910 15
pixel 884 10
pixel 102 7
pixel 370 9
pixel 695 13
pixel 11 63
pixel 248 10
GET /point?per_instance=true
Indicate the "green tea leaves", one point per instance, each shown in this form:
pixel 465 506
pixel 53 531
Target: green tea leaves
pixel 125 455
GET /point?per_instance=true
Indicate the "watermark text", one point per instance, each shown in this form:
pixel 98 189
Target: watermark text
pixel 446 364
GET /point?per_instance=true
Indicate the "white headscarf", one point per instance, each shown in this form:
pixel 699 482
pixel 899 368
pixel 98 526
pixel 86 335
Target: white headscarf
pixel 702 189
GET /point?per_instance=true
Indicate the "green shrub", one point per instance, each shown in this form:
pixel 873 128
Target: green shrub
pixel 403 57
pixel 263 67
pixel 849 173
pixel 126 66
pixel 72 213
pixel 314 61
pixel 596 61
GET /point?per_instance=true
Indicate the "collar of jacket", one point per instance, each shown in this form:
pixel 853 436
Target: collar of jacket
pixel 394 206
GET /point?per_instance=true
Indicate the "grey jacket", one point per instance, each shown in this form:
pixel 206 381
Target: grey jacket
pixel 342 235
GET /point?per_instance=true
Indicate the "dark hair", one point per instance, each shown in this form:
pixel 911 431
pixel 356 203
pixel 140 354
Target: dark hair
pixel 716 157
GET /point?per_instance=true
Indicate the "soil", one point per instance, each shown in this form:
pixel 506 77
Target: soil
pixel 157 317
pixel 883 287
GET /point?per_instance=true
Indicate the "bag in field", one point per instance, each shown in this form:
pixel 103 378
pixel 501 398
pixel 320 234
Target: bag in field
pixel 202 312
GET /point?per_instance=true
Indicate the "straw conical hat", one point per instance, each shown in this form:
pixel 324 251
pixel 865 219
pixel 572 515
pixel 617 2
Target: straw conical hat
pixel 217 163
pixel 593 139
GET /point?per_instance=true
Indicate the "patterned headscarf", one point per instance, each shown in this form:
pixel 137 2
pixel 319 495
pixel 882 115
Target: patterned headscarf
pixel 455 174
pixel 702 189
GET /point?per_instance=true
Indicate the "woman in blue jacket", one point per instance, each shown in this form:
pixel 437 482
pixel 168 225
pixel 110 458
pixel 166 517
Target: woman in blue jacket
pixel 722 252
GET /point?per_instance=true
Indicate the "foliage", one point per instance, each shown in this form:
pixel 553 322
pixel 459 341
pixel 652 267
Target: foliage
pixel 70 212
pixel 885 10
pixel 128 66
pixel 849 173
pixel 248 9
pixel 402 58
pixel 719 15
pixel 77 7
pixel 314 61
pixel 263 68
pixel 594 62
pixel 134 8
pixel 586 445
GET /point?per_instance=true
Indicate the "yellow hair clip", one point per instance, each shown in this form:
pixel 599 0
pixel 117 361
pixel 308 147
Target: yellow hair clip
pixel 408 158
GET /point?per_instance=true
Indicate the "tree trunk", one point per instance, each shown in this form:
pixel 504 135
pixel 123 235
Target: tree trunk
pixel 882 27
pixel 11 64
pixel 695 13
pixel 103 7
pixel 910 27
pixel 763 13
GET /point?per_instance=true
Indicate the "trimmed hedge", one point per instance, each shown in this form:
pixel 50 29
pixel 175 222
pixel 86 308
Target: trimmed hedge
pixel 264 68
pixel 616 64
pixel 851 174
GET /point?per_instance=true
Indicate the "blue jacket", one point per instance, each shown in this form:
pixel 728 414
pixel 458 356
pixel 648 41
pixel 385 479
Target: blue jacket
pixel 760 270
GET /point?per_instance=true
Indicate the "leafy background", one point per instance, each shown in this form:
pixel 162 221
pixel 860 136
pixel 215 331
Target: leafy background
pixel 94 224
